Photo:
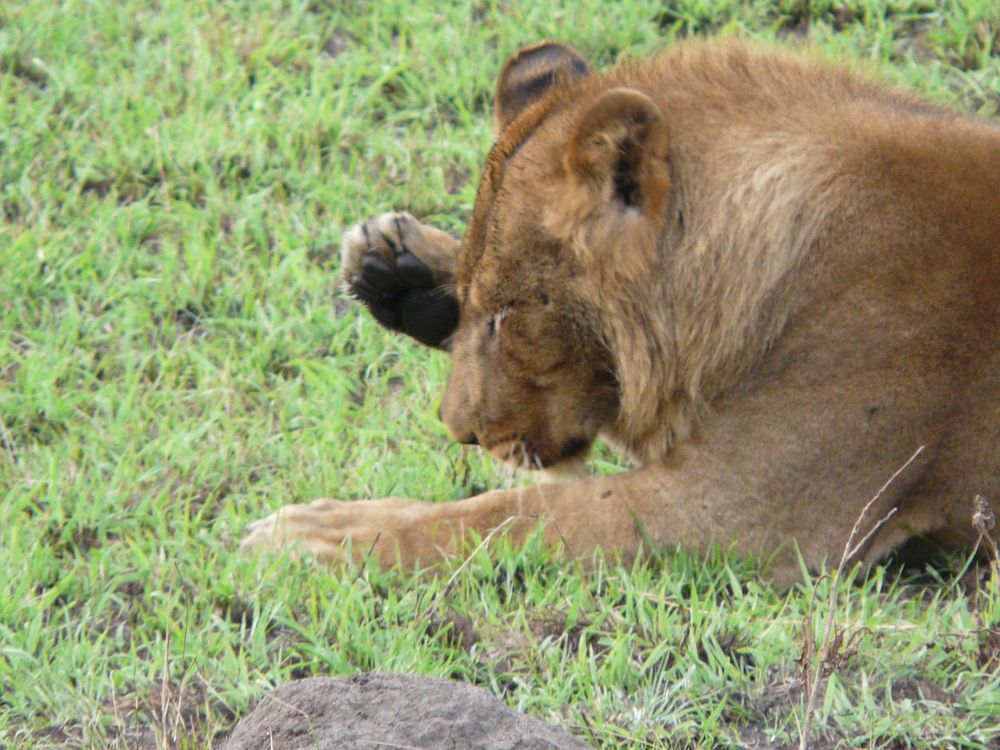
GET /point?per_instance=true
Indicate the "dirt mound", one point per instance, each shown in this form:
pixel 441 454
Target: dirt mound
pixel 391 711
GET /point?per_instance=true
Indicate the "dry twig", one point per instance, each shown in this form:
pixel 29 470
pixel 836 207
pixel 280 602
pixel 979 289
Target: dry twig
pixel 829 644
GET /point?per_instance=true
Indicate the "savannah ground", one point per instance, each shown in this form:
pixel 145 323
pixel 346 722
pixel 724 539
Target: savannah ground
pixel 176 360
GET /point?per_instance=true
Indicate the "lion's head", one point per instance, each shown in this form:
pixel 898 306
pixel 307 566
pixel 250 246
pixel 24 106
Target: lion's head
pixel 578 173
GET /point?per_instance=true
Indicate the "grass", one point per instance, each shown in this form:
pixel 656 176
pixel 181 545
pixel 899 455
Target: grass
pixel 176 360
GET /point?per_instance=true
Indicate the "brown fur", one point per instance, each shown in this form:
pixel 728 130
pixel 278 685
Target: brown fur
pixel 767 279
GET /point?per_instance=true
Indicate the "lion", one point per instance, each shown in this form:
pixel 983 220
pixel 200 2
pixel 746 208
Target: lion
pixel 774 284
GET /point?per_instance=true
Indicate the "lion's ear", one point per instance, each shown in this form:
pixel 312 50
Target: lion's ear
pixel 530 73
pixel 618 155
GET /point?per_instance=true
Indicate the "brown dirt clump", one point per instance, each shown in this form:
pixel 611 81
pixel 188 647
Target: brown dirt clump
pixel 395 711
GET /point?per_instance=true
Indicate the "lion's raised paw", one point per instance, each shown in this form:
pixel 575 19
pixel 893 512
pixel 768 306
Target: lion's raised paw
pixel 403 272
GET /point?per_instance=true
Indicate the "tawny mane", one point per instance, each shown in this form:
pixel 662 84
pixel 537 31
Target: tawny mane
pixel 755 178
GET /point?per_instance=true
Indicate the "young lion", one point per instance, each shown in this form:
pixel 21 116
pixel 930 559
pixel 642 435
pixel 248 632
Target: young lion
pixel 770 281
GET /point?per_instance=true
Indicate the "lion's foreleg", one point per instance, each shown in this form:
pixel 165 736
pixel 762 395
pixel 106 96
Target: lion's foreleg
pixel 606 513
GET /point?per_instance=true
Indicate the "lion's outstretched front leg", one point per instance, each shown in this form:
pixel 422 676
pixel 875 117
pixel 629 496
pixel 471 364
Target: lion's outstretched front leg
pixel 326 528
pixel 579 517
pixel 403 271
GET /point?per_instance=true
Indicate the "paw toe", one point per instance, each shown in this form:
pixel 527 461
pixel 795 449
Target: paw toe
pixel 413 271
pixel 353 247
pixel 379 274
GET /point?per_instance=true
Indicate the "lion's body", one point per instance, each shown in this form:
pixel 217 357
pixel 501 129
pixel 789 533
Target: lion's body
pixel 777 281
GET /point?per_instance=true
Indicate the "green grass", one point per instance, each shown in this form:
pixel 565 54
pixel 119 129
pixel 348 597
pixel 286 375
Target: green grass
pixel 176 360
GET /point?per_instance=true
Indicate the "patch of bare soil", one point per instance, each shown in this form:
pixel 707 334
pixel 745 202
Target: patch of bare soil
pixel 391 711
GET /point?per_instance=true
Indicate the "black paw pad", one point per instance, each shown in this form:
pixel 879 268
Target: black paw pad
pixel 377 273
pixel 404 298
pixel 413 271
pixel 428 315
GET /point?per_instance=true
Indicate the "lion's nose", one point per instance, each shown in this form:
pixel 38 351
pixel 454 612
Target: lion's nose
pixel 465 437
